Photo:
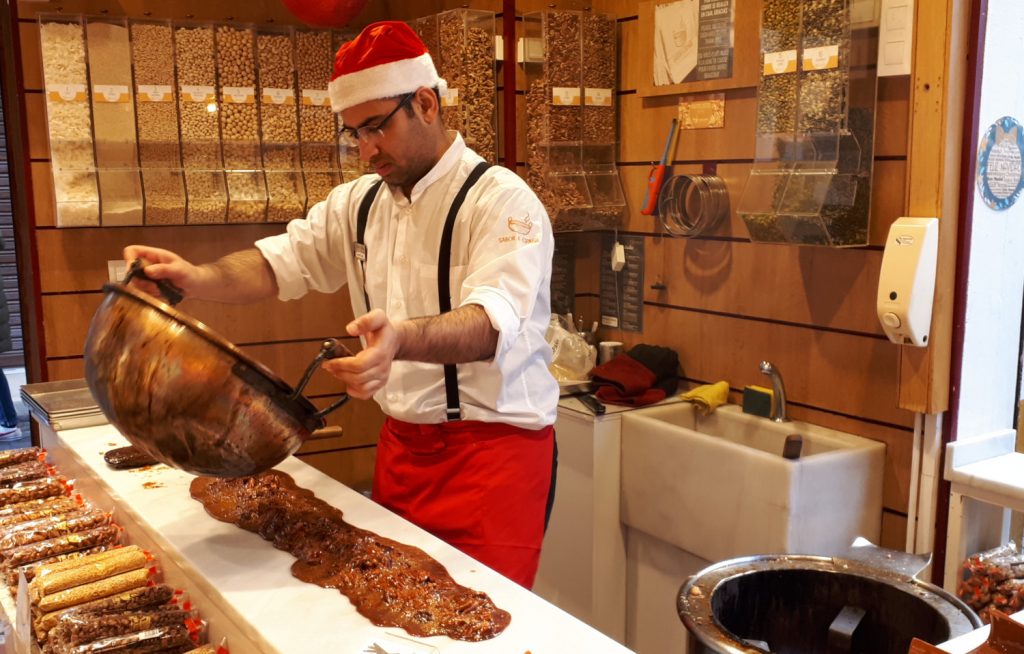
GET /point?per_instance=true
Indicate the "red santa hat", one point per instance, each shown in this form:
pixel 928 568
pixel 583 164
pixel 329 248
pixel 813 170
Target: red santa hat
pixel 385 60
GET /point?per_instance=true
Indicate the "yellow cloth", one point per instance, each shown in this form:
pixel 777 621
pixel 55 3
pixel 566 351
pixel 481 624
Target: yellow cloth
pixel 708 397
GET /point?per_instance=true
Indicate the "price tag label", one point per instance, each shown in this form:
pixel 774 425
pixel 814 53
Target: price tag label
pixel 315 97
pixel 66 92
pixel 278 96
pixel 193 93
pixel 238 94
pixel 154 93
pixel 823 58
pixel 565 96
pixel 450 98
pixel 115 93
pixel 777 63
pixel 598 97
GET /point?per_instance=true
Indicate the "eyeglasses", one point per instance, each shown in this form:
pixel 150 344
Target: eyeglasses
pixel 354 136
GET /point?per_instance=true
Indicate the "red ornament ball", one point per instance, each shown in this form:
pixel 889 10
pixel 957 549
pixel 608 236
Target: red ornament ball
pixel 325 13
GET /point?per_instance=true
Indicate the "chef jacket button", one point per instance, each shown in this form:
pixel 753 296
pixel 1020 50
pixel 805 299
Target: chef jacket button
pixel 392 397
pixel 403 259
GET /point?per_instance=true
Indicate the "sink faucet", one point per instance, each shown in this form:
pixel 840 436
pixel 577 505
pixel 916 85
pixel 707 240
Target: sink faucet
pixel 778 391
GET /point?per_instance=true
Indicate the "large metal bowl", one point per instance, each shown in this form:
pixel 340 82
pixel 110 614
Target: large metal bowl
pixel 187 396
pixel 801 604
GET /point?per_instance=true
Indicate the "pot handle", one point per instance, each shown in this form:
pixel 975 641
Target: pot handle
pixel 329 349
pixel 172 294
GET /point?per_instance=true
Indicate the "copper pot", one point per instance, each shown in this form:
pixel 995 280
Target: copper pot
pixel 187 396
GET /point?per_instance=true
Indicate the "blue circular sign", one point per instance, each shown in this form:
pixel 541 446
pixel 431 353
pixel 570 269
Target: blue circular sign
pixel 1000 156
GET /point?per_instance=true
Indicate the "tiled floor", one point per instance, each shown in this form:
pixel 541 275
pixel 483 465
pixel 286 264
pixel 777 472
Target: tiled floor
pixel 15 378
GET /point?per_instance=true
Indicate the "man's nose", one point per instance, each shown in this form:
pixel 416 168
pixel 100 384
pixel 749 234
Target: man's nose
pixel 367 151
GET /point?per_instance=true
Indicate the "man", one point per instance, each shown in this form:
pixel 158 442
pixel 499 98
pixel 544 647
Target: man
pixel 467 450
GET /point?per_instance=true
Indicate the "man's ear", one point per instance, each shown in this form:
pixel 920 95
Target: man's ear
pixel 428 104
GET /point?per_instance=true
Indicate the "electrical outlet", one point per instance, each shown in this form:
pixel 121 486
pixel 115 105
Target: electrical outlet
pixel 116 270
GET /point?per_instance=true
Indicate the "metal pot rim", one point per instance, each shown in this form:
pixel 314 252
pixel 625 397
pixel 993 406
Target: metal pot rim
pixel 215 339
pixel 695 609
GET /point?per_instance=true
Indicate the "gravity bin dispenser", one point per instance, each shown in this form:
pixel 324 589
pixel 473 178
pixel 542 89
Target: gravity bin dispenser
pixel 461 42
pixel 569 60
pixel 811 179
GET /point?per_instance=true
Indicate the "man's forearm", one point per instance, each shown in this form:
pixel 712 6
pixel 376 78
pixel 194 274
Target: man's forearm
pixel 459 336
pixel 240 277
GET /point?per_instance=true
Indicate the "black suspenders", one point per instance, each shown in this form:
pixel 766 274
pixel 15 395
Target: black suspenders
pixel 444 295
pixel 444 259
pixel 359 248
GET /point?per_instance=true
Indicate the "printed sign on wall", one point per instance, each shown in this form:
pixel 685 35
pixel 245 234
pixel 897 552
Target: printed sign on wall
pixel 693 41
pixel 1000 153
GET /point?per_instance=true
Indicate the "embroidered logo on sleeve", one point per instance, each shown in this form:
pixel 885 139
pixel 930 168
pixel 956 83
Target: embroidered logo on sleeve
pixel 520 228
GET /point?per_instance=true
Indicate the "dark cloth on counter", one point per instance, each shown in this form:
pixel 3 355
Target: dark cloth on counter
pixel 661 361
pixel 644 375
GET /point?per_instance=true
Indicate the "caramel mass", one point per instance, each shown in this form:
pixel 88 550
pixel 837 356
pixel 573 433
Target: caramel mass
pixel 389 583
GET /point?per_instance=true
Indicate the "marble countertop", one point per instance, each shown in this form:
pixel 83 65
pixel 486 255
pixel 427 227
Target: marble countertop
pixel 250 581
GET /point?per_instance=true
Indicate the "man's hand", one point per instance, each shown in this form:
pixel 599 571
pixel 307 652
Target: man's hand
pixel 459 336
pixel 239 277
pixel 164 264
pixel 366 373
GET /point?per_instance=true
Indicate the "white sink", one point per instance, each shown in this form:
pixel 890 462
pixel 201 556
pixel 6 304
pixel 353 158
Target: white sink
pixel 718 486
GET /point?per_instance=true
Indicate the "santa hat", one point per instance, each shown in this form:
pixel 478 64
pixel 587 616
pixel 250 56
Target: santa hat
pixel 385 60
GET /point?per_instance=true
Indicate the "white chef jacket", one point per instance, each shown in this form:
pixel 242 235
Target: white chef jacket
pixel 501 260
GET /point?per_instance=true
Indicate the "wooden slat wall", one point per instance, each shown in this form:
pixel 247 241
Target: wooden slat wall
pixel 730 303
pixel 73 266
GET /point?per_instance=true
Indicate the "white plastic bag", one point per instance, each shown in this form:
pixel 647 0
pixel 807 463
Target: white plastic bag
pixel 572 358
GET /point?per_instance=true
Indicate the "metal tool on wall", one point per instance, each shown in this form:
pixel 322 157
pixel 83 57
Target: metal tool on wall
pixel 656 177
pixel 691 205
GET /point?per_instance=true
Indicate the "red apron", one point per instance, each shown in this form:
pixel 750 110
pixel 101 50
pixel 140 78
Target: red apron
pixel 480 487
